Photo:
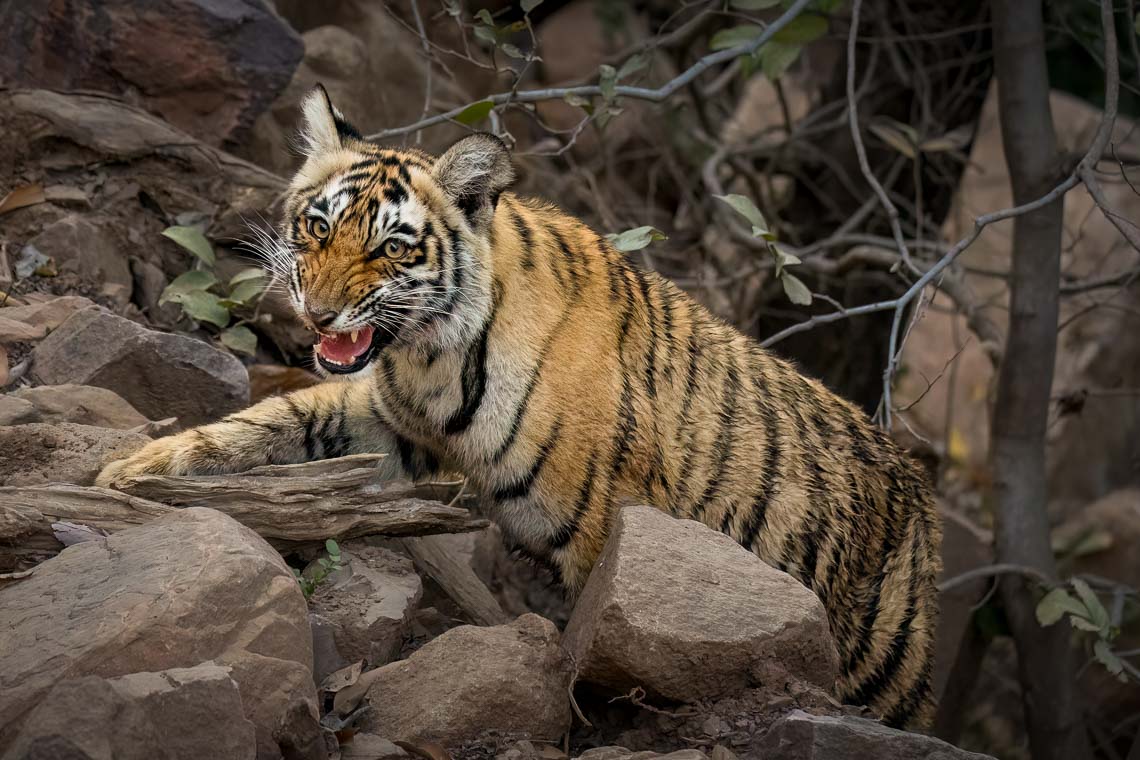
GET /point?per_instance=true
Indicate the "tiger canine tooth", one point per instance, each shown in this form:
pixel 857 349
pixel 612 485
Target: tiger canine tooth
pixel 354 335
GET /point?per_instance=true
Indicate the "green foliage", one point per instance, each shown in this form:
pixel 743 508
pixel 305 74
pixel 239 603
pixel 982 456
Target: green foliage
pixel 1086 613
pixel 475 112
pixel 794 288
pixel 635 239
pixel 325 567
pixel 775 56
pixel 205 299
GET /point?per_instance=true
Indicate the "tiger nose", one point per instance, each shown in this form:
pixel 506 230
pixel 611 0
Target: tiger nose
pixel 321 319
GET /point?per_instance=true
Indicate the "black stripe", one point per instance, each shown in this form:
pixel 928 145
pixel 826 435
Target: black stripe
pixel 757 517
pixel 474 379
pixel 571 260
pixel 395 193
pixel 565 533
pixel 723 445
pixel 886 550
pixel 520 487
pixel 526 237
pixel 651 340
pixel 918 695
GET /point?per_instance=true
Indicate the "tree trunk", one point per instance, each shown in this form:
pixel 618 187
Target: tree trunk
pixel 1017 447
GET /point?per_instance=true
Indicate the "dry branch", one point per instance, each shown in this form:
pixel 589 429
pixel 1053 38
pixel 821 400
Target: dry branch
pixel 435 559
pixel 289 504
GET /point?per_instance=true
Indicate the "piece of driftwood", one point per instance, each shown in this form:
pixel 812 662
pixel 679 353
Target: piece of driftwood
pixel 287 505
pixel 456 578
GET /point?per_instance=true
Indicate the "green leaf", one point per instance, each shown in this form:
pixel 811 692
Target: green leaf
pixel 252 273
pixel 1083 624
pixel 1055 604
pixel 795 289
pixel 827 6
pixel 512 50
pixel 484 15
pixel 195 279
pixel 783 259
pixel 1109 659
pixel 246 291
pixel 635 64
pixel 895 138
pixel 577 100
pixel 241 339
pixel 332 548
pixel 734 36
pixel 607 80
pixel 635 239
pixel 803 29
pixel 452 8
pixel 776 57
pixel 203 306
pixel 753 5
pixel 747 209
pixel 475 112
pixel 193 241
pixel 487 34
pixel 1096 611
pixel 530 5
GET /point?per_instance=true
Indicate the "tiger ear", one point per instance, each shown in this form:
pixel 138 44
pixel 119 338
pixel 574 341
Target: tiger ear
pixel 325 128
pixel 473 173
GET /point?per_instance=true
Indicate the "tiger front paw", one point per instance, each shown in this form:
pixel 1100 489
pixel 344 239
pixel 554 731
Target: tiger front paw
pixel 156 458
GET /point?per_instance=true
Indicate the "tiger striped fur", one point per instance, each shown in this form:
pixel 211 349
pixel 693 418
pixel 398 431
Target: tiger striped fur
pixel 514 344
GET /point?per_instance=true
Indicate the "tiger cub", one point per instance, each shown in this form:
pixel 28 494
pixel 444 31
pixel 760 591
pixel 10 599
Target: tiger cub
pixel 495 335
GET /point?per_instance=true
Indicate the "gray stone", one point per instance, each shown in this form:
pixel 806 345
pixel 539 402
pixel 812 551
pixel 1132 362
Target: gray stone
pixel 159 374
pixel 89 247
pixel 684 612
pixel 801 736
pixel 83 405
pixel 369 606
pixel 48 314
pixel 364 746
pixel 176 713
pixel 17 411
pixel 508 678
pixel 37 453
pixel 189 587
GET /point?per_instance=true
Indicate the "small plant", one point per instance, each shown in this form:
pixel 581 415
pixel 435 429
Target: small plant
pixel 205 299
pixel 635 239
pixel 794 288
pixel 1086 613
pixel 326 566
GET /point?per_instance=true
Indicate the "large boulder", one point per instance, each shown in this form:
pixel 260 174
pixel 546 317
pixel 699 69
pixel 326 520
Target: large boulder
pixel 507 678
pixel 208 67
pixel 190 587
pixel 160 374
pixel 801 736
pixel 176 713
pixel 38 453
pixel 81 404
pixel 89 248
pixel 369 604
pixel 684 612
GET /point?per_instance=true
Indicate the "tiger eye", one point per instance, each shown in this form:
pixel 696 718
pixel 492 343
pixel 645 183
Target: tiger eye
pixel 318 228
pixel 394 249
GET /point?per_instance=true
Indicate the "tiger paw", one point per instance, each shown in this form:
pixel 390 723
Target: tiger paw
pixel 156 458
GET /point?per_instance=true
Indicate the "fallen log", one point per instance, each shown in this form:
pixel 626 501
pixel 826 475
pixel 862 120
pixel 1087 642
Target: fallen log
pixel 287 505
pixel 456 578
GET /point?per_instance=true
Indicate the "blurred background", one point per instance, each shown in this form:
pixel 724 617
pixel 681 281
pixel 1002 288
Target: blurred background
pixel 819 189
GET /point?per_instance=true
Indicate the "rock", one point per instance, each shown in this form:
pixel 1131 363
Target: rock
pixel 684 612
pixel 621 753
pixel 327 659
pixel 89 247
pixel 37 453
pixel 508 678
pixel 209 68
pixel 17 411
pixel 800 736
pixel 189 587
pixel 159 374
pixel 170 714
pixel 81 404
pixel 149 283
pixel 48 314
pixel 370 607
pixel 371 747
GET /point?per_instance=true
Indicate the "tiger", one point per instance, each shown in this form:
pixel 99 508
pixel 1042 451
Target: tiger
pixel 464 328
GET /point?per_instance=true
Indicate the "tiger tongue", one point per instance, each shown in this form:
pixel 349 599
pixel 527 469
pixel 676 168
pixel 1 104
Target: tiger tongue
pixel 342 348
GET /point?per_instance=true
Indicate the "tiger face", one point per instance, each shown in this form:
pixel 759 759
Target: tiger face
pixel 386 246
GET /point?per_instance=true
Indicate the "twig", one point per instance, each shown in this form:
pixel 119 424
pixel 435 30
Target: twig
pixel 989 571
pixel 641 93
pixel 427 62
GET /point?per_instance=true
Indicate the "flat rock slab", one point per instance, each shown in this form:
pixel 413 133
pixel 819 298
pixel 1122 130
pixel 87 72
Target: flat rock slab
pixel 39 453
pixel 159 374
pixel 176 713
pixel 802 736
pixel 685 613
pixel 508 678
pixel 190 587
pixel 81 404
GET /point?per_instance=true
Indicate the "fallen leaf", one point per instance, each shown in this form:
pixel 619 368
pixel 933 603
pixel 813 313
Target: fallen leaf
pixel 342 678
pixel 27 195
pixel 348 698
pixel 426 750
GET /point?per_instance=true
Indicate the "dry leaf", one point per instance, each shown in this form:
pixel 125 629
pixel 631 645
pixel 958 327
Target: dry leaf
pixel 342 678
pixel 27 195
pixel 348 698
pixel 426 750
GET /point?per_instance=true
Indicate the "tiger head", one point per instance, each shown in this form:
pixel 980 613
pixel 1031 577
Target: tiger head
pixel 382 246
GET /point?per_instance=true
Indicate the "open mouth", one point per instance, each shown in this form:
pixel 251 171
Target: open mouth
pixel 346 352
